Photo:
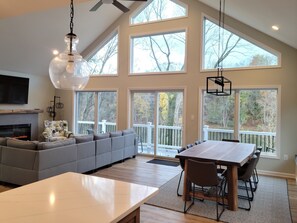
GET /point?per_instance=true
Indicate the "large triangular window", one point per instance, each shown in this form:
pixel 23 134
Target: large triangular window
pixel 105 60
pixel 236 52
pixel 158 10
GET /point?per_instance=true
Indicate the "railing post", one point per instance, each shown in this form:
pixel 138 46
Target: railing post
pixel 149 134
pixel 205 132
pixel 103 129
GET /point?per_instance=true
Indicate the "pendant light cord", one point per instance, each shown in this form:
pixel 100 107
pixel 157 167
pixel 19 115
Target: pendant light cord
pixel 71 25
pixel 221 38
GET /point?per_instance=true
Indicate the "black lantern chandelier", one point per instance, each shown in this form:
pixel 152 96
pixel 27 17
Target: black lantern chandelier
pixel 219 85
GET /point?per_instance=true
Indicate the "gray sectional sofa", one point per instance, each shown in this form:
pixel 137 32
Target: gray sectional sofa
pixel 23 162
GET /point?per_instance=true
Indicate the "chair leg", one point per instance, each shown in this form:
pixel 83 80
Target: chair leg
pixel 248 197
pixel 177 191
pixel 192 201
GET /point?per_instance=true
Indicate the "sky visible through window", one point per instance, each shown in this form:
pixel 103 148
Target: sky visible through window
pixel 235 51
pixel 159 10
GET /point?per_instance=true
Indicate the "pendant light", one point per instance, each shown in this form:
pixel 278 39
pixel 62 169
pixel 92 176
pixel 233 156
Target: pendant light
pixel 68 70
pixel 219 85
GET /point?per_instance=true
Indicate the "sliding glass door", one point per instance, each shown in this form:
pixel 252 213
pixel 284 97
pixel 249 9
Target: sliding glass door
pixel 96 112
pixel 157 117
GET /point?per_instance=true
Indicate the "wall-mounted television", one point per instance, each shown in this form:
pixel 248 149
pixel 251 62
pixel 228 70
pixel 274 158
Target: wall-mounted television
pixel 13 90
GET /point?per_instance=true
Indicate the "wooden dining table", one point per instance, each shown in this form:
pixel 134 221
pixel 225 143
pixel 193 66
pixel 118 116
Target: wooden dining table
pixel 229 154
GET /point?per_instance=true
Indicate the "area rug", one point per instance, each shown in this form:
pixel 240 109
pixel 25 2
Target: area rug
pixel 163 162
pixel 269 205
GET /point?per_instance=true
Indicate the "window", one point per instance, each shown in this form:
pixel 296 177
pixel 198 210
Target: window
pixel 158 10
pixel 255 123
pixel 157 118
pixel 105 60
pixel 159 53
pixel 96 111
pixel 237 52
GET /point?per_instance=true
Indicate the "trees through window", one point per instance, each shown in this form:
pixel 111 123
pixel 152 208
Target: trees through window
pixel 158 10
pixel 236 52
pixel 96 111
pixel 158 53
pixel 105 60
pixel 256 121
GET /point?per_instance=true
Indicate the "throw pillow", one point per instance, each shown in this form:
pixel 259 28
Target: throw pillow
pixel 84 138
pixel 128 131
pixel 101 136
pixel 116 133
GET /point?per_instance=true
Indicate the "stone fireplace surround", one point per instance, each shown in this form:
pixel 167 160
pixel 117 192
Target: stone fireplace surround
pixel 15 117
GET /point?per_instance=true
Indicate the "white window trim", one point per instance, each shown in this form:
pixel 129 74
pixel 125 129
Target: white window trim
pixel 260 87
pixel 245 37
pixel 143 6
pixel 112 34
pixel 168 31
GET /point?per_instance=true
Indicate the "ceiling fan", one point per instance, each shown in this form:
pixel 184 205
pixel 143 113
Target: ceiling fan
pixel 115 3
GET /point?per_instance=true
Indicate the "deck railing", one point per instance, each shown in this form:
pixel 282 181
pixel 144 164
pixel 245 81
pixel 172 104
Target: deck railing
pixel 265 140
pixel 103 126
pixel 170 137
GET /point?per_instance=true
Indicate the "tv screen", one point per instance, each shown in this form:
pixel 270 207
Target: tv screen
pixel 14 90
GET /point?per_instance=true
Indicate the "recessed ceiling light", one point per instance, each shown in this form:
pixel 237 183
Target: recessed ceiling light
pixel 275 27
pixel 55 52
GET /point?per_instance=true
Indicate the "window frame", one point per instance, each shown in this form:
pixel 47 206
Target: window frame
pixel 137 11
pixel 237 114
pixel 243 36
pixel 167 31
pixel 96 110
pixel 106 39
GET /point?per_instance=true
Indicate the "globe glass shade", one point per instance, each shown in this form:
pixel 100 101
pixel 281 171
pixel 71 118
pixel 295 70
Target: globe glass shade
pixel 69 70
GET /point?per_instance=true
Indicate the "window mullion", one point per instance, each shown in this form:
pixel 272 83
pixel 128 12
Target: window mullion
pixel 96 111
pixel 237 114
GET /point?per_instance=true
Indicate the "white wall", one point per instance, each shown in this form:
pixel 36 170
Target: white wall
pixel 286 77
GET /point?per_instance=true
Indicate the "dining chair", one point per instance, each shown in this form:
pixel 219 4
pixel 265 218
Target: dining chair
pixel 205 184
pixel 245 175
pixel 255 173
pixel 182 165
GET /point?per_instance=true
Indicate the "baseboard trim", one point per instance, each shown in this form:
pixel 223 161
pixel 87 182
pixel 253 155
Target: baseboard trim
pixel 276 174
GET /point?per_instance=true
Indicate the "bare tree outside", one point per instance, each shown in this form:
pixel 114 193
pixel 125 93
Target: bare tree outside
pixel 159 10
pixel 232 50
pixel 105 59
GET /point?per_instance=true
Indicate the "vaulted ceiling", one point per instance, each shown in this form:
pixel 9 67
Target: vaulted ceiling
pixel 31 29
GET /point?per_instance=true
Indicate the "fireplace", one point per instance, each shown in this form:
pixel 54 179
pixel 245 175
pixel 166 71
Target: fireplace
pixel 18 131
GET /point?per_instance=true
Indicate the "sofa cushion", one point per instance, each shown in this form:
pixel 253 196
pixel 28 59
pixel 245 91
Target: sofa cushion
pixel 84 138
pixel 116 133
pixel 54 144
pixel 16 143
pixel 128 131
pixel 101 136
pixel 3 141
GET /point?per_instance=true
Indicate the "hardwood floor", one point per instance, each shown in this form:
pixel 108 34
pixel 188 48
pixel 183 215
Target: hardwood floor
pixel 138 171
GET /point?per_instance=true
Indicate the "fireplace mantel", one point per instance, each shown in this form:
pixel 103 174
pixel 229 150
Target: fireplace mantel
pixel 20 111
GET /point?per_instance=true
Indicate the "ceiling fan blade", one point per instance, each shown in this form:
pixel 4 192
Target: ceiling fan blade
pixel 120 6
pixel 95 7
